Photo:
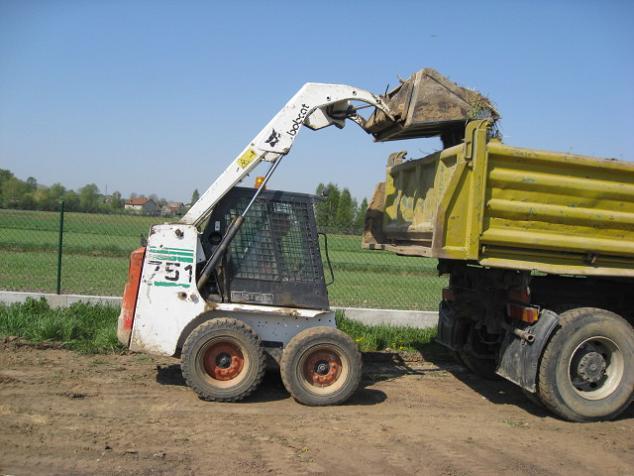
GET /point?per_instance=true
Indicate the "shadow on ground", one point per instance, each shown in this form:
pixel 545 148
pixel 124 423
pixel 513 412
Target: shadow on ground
pixel 272 389
pixel 498 391
pixel 382 366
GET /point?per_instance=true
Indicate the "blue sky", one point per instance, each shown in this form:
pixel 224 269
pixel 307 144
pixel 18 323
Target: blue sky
pixel 159 96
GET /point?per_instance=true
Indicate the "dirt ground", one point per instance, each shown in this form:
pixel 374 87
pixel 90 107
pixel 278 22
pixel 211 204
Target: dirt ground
pixel 65 413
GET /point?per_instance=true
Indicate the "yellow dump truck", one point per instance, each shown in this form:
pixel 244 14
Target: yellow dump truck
pixel 539 249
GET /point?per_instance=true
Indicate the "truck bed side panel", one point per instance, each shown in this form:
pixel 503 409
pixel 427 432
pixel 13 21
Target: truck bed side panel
pixel 509 207
pixel 558 210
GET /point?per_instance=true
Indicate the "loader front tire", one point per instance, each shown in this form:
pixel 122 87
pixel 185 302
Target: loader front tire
pixel 223 360
pixel 321 366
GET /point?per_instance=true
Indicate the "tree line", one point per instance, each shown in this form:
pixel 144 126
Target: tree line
pixel 338 209
pixel 335 209
pixel 29 195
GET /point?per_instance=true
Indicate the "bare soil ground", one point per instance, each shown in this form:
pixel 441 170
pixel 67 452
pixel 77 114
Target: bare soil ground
pixel 65 413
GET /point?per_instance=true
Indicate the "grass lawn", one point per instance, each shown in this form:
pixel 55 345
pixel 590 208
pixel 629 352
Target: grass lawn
pixel 97 246
pixel 86 328
pixel 376 338
pixel 92 328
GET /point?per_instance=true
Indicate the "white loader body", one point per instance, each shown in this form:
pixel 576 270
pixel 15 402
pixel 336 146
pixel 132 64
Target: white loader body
pixel 169 303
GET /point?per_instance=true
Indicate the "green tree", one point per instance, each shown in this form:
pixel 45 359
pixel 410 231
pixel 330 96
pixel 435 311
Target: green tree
pixel 359 220
pixel 326 209
pixel 71 201
pixel 12 191
pixel 57 190
pixel 321 212
pixel 116 202
pixel 40 199
pixel 89 198
pixel 5 175
pixel 332 203
pixel 31 184
pixel 27 202
pixel 49 198
pixel 345 212
pixel 195 196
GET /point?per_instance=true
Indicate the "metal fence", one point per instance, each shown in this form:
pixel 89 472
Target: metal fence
pixel 87 253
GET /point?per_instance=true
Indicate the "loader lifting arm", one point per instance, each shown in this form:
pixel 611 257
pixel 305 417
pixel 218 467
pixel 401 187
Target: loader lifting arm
pixel 315 105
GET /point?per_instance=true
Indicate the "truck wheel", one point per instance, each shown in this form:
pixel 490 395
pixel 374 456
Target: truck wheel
pixel 222 360
pixel 321 366
pixel 586 373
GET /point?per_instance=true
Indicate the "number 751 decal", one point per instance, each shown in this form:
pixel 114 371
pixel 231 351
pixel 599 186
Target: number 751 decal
pixel 171 273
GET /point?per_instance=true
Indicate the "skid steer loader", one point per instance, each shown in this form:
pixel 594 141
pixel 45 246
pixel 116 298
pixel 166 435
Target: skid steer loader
pixel 240 276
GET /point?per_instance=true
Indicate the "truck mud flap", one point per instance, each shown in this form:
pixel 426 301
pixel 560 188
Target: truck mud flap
pixel 519 360
pixel 451 331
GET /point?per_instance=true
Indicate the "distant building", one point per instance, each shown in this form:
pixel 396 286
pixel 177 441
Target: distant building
pixel 142 205
pixel 173 209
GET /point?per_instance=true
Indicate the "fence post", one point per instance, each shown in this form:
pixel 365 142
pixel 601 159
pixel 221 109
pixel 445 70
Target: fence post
pixel 59 247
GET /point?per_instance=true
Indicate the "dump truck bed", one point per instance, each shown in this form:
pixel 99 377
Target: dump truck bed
pixel 508 207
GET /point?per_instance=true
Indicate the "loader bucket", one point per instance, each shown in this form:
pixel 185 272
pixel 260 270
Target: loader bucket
pixel 426 105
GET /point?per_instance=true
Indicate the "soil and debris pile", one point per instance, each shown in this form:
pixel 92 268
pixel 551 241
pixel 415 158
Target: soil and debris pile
pixel 429 104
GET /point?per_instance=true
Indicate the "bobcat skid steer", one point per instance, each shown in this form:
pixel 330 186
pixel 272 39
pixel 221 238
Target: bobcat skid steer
pixel 240 276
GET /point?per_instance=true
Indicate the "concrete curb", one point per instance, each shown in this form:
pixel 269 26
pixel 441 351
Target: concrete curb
pixel 392 317
pixel 370 317
pixel 58 300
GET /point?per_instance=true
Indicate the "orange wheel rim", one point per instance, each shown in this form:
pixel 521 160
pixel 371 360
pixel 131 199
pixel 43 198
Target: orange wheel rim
pixel 322 368
pixel 223 361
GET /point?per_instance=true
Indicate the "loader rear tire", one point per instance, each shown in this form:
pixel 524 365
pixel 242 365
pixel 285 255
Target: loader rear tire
pixel 321 366
pixel 223 360
pixel 586 370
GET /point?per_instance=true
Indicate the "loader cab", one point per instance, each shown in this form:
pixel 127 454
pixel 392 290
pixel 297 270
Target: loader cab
pixel 274 259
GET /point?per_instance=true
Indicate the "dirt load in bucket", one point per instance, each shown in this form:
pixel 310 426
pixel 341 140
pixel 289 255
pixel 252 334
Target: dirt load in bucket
pixel 429 104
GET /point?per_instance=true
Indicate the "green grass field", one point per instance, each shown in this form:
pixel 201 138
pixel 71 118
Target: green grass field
pixel 97 246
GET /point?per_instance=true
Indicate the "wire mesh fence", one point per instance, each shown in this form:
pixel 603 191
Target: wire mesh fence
pixel 87 253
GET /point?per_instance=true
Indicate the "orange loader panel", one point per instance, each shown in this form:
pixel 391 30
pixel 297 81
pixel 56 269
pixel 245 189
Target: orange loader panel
pixel 130 293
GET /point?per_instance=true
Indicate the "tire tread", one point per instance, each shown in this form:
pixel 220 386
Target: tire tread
pixel 546 384
pixel 207 327
pixel 300 341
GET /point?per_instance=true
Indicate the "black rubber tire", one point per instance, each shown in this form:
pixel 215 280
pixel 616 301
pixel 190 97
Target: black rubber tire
pixel 236 333
pixel 555 388
pixel 312 340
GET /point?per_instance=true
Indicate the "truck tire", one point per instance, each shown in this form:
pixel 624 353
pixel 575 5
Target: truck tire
pixel 586 370
pixel 321 366
pixel 223 360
